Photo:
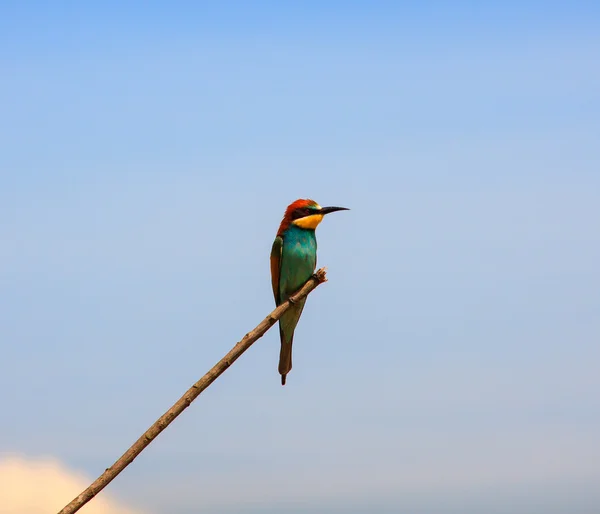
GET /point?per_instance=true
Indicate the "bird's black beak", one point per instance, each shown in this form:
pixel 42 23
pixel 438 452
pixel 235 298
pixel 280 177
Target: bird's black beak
pixel 327 210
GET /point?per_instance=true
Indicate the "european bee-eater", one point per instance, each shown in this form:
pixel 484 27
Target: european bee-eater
pixel 293 261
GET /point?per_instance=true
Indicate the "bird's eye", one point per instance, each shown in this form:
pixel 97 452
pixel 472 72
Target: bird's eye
pixel 300 213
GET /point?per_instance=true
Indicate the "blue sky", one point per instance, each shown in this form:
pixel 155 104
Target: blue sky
pixel 449 364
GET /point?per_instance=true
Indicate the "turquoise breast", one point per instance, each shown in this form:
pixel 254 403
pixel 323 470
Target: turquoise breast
pixel 298 260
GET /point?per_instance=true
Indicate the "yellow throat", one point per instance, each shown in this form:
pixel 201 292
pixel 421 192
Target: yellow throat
pixel 309 222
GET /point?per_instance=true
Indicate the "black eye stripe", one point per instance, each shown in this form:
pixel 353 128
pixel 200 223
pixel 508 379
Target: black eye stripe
pixel 302 212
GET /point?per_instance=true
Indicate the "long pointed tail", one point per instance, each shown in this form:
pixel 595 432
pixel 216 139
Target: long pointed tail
pixel 285 360
pixel 287 325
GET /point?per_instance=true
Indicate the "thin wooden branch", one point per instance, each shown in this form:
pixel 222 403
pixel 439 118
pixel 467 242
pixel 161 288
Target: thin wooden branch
pixel 191 394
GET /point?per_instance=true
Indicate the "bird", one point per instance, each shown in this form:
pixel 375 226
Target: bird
pixel 293 261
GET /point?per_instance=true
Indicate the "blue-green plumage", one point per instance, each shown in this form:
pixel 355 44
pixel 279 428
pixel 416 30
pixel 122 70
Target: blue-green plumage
pixel 298 258
pixel 298 262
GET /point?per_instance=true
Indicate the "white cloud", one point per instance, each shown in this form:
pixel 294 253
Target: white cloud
pixel 45 485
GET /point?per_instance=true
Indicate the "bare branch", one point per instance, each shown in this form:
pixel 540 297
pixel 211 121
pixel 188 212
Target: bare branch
pixel 191 394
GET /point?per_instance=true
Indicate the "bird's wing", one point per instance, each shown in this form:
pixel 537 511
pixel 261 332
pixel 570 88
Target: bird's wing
pixel 276 253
